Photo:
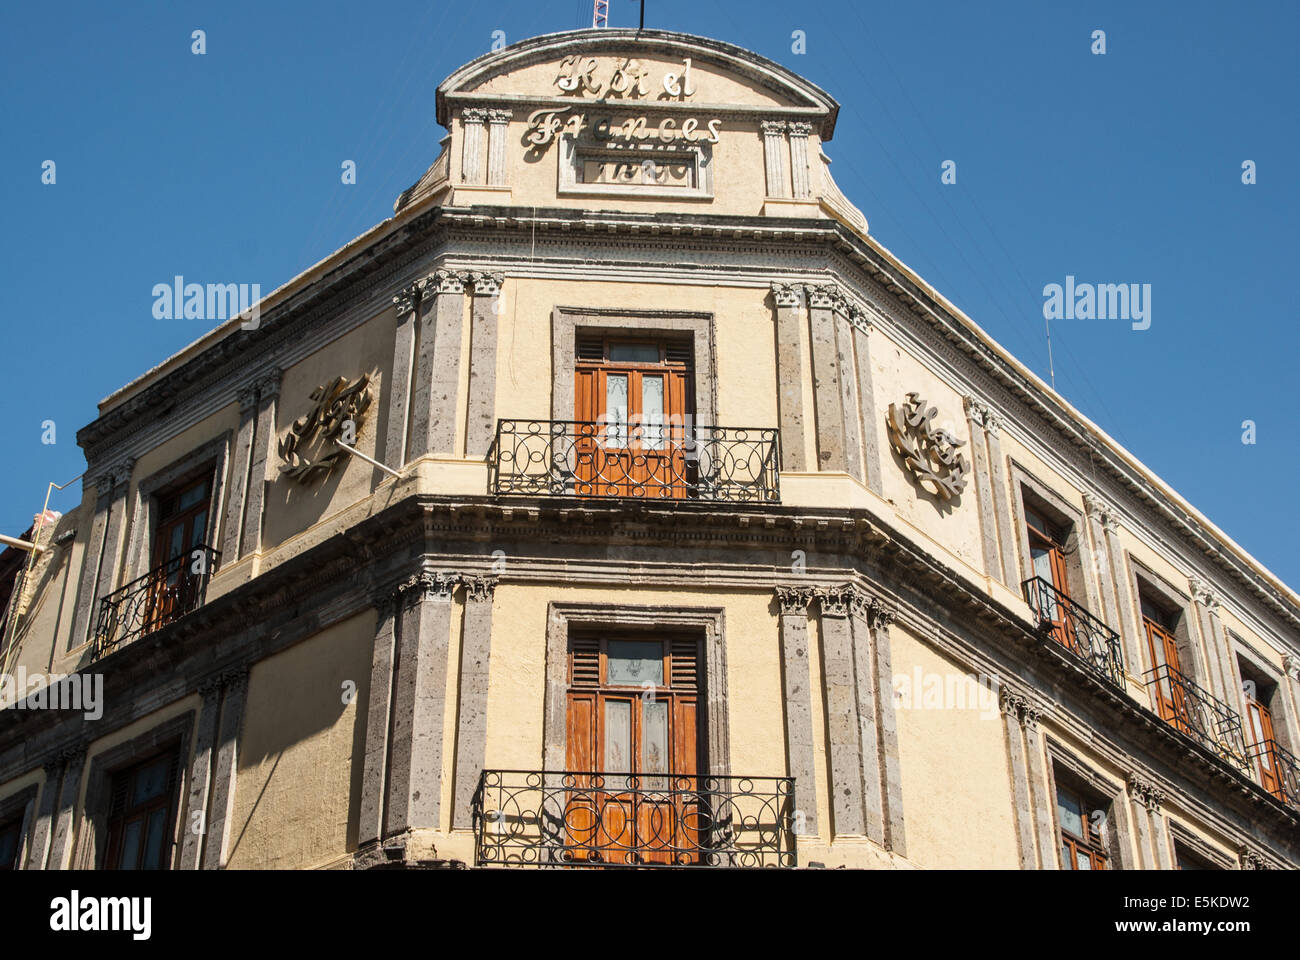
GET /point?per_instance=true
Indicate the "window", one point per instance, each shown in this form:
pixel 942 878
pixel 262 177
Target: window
pixel 1083 824
pixel 635 738
pixel 1187 859
pixel 1158 624
pixel 634 396
pixel 11 841
pixel 180 529
pixel 1047 553
pixel 1259 696
pixel 142 812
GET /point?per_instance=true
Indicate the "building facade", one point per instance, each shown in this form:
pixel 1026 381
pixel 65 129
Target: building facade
pixel 621 500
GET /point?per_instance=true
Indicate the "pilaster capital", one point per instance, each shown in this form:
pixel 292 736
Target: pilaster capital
pixel 773 128
pixel 235 679
pixel 1250 860
pixel 73 754
pixel 1204 595
pixel 479 588
pixel 408 298
pixel 446 281
pixel 104 483
pixel 835 601
pixel 247 399
pixel 427 585
pixel 1012 703
pixel 1146 793
pixel 800 128
pixel 981 414
pixel 1030 714
pixel 209 686
pixel 1291 666
pixel 498 115
pixel 794 601
pixel 824 296
pixel 487 284
pixel 881 615
pixel 268 385
pixel 473 115
pixel 786 294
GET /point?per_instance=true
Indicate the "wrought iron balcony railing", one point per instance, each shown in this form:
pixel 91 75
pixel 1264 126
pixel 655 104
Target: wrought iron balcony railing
pixel 1278 769
pixel 1198 714
pixel 163 595
pixel 648 461
pixel 1092 643
pixel 564 818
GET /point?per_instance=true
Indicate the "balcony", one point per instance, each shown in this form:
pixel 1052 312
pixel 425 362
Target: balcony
pixel 1278 769
pixel 643 461
pixel 163 595
pixel 1198 714
pixel 1084 637
pixel 566 819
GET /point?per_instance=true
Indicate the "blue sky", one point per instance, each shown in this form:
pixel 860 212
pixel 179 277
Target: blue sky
pixel 1120 168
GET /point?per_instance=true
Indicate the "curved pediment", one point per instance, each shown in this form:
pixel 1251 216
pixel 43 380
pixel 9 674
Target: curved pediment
pixel 653 68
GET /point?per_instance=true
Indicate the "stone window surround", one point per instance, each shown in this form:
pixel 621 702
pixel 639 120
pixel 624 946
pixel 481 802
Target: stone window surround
pixel 1119 842
pixel 699 154
pixel 92 832
pixel 1182 837
pixel 1078 555
pixel 1144 581
pixel 563 617
pixel 22 801
pixel 213 455
pixel 1277 704
pixel 567 321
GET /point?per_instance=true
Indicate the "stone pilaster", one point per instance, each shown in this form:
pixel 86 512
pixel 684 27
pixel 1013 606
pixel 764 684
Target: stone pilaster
pixel 482 424
pixel 221 815
pixel 843 729
pixel 498 129
pixel 419 697
pixel 1225 679
pixel 475 659
pixel 437 365
pixel 1039 786
pixel 774 151
pixel 46 811
pixel 800 757
pixel 242 457
pixel 1096 513
pixel 1007 539
pixel 1291 692
pixel 1013 705
pixel 263 453
pixel 87 592
pixel 471 162
pixel 977 414
pixel 837 418
pixel 114 534
pixel 200 779
pixel 891 769
pixel 1153 841
pixel 74 762
pixel 867 695
pixel 861 325
pixel 787 298
pixel 800 172
pixel 399 391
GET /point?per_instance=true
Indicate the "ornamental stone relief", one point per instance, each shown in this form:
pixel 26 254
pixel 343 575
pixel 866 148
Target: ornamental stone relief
pixel 929 453
pixel 309 450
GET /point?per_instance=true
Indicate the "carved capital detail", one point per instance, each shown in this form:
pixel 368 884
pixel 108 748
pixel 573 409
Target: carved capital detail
pixel 487 284
pixel 1146 793
pixel 794 600
pixel 496 115
pixel 786 294
pixel 981 414
pixel 800 128
pixel 446 281
pixel 479 588
pixel 1013 704
pixel 473 115
pixel 1291 666
pixel 104 484
pixel 427 585
pixel 1250 860
pixel 773 128
pixel 835 601
pixel 408 298
pixel 268 385
pixel 248 399
pixel 824 296
pixel 1204 595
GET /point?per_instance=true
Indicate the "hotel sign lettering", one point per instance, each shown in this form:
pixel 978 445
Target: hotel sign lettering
pixel 309 450
pixel 544 124
pixel 622 77
pixel 929 452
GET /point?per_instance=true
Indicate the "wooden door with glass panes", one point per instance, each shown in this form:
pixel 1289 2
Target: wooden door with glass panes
pixel 636 395
pixel 1083 827
pixel 634 739
pixel 1259 724
pixel 141 816
pixel 182 527
pixel 1162 647
pixel 1047 555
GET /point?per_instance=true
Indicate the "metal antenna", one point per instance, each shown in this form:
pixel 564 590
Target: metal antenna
pixel 600 14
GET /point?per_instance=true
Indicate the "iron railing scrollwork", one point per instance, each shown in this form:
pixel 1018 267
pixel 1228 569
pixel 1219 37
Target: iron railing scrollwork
pixel 1198 714
pixel 1090 641
pixel 565 818
pixel 163 595
pixel 641 460
pixel 1280 766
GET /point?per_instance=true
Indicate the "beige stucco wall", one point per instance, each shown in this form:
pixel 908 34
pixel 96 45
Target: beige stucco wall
pixel 300 751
